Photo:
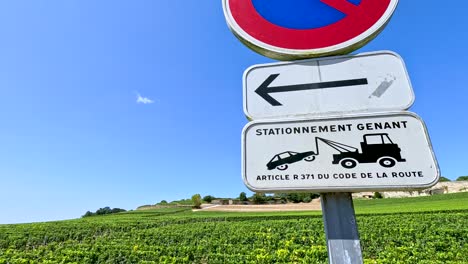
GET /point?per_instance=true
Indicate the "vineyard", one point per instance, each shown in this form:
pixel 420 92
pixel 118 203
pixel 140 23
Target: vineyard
pixel 177 235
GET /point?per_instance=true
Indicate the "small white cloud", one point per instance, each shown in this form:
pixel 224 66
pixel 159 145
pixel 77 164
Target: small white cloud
pixel 143 100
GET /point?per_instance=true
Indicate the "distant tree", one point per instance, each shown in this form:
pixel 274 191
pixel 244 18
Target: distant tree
pixel 314 195
pixel 117 210
pixel 295 197
pixel 163 202
pixel 269 198
pixel 243 197
pixel 88 214
pixel 196 201
pixel 259 198
pixel 208 198
pixel 462 178
pixel 443 179
pixel 104 211
pixel 282 196
pixel 378 195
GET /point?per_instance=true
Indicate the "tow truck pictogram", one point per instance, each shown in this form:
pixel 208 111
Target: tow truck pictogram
pixel 375 148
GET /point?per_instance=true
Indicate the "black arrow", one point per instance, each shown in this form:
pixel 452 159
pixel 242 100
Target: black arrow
pixel 264 90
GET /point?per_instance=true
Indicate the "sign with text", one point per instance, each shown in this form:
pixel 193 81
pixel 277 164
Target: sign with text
pixel 354 153
pixel 367 82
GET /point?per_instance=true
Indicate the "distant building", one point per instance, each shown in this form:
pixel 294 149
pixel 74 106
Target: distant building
pixel 439 188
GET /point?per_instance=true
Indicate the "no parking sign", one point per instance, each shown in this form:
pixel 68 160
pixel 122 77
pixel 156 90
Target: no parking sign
pixel 333 155
pixel 298 29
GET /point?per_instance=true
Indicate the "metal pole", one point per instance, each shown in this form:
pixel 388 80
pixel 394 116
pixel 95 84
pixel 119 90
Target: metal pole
pixel 341 228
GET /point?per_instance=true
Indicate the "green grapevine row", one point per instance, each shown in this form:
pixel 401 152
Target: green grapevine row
pixel 184 237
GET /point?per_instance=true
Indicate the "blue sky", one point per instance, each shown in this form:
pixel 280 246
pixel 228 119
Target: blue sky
pixel 74 138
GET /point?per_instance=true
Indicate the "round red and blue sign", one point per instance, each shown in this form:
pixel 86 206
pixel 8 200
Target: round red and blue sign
pixel 299 29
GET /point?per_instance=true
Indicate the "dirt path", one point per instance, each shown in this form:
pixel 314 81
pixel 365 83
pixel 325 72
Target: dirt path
pixel 312 206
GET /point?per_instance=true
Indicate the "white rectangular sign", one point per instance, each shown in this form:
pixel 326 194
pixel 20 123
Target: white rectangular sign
pixel 354 153
pixel 367 82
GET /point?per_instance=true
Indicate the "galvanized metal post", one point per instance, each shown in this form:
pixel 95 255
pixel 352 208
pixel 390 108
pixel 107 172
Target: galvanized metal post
pixel 341 228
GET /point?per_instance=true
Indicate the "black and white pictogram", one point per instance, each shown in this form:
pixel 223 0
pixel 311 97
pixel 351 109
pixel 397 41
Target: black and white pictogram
pixel 375 148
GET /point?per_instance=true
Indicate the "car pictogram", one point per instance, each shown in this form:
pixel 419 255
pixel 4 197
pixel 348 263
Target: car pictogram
pixel 376 148
pixel 280 161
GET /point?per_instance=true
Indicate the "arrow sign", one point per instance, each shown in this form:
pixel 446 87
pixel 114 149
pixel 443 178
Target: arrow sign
pixel 264 90
pixel 367 82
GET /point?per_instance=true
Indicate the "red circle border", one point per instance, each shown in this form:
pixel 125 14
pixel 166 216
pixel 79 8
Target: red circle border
pixel 357 22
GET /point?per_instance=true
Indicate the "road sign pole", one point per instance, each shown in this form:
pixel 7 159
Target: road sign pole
pixel 341 228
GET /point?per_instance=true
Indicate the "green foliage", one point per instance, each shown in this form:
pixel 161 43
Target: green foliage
pixel 104 211
pixel 178 235
pixel 297 197
pixel 443 179
pixel 378 195
pixel 259 198
pixel 294 197
pixel 455 201
pixel 196 201
pixel 462 178
pixel 182 202
pixel 243 197
pixel 208 198
pixel 88 214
